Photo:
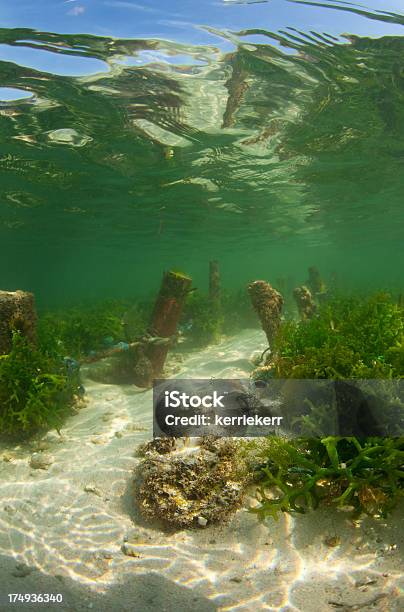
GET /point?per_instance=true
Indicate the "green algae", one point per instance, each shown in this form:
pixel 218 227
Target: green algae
pixel 365 475
pixel 36 389
pixel 350 338
pixel 82 329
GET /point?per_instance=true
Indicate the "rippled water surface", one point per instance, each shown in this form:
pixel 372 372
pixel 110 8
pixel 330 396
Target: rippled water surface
pixel 141 136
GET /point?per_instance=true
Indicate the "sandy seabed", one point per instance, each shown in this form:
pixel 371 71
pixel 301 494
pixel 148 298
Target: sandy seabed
pixel 74 529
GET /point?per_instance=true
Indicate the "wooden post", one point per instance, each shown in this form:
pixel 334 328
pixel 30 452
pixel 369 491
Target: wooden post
pixel 267 303
pixel 305 303
pixel 17 312
pixel 316 285
pixel 314 282
pixel 175 287
pixel 214 284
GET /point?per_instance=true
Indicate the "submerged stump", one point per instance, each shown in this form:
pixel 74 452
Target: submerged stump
pixel 267 303
pixel 174 289
pixel 214 284
pixel 17 312
pixel 143 360
pixel 316 284
pixel 305 302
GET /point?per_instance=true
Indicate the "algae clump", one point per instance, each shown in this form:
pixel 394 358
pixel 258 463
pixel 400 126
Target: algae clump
pixel 36 389
pixel 349 338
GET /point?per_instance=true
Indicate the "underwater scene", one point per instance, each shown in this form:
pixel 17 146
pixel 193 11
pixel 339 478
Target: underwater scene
pixel 201 221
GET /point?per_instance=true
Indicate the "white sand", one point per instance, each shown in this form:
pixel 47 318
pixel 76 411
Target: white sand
pixel 70 540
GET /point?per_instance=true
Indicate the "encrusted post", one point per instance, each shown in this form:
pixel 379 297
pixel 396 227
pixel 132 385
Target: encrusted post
pixel 17 312
pixel 175 287
pixel 316 284
pixel 215 300
pixel 267 303
pixel 305 303
pixel 214 284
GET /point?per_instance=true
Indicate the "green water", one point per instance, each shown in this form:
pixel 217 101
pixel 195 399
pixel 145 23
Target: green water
pixel 270 152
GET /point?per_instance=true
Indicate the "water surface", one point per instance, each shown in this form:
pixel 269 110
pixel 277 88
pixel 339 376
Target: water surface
pixel 141 136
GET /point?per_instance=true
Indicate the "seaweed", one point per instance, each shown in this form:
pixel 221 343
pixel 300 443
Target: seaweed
pixel 82 330
pixel 349 338
pixel 205 321
pixel 238 312
pixel 366 475
pixel 202 319
pixel 37 388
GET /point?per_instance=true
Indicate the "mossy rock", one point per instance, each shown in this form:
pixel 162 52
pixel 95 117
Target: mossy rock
pixel 195 489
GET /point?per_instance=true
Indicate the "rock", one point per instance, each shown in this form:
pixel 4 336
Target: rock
pixel 41 446
pixel 21 570
pixel 134 427
pixel 41 461
pixel 130 551
pixel 332 541
pixel 192 489
pixel 90 488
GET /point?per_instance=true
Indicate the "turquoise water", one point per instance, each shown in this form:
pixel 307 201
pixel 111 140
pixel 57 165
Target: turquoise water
pixel 158 136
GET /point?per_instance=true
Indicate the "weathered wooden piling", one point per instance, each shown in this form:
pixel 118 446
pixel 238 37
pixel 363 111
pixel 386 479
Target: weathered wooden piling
pixel 17 312
pixel 316 285
pixel 174 289
pixel 315 282
pixel 267 303
pixel 305 302
pixel 214 284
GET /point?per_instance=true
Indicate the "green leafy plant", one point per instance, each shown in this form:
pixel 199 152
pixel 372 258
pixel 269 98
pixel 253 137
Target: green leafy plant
pixel 238 312
pixel 367 475
pixel 36 389
pixel 350 338
pixel 81 330
pixel 202 319
pixel 205 322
